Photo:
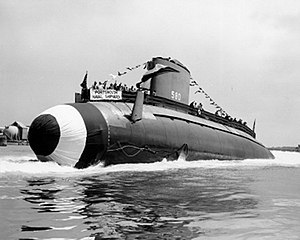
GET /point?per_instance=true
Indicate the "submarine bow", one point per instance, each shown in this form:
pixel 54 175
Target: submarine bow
pixel 69 135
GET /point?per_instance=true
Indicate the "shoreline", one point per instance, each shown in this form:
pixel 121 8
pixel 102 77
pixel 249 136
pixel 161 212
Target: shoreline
pixel 286 149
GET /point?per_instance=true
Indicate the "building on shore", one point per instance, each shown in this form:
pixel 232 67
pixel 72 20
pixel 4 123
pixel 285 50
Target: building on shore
pixel 16 132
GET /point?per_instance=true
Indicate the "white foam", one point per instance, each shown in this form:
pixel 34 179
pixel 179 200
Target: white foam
pixel 22 165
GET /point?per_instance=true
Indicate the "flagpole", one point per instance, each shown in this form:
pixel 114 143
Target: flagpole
pixel 254 123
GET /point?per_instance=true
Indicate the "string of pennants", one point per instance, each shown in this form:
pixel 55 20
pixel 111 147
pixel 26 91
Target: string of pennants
pixel 192 83
pixel 129 69
pixel 212 102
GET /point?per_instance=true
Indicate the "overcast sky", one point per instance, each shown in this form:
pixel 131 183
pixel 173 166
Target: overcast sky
pixel 244 53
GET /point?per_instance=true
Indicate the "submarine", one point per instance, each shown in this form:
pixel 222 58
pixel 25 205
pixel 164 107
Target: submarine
pixel 115 125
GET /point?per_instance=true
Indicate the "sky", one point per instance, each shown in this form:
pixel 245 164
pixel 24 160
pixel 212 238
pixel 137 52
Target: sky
pixel 244 53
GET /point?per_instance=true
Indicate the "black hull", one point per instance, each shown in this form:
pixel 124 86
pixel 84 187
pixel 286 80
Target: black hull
pixel 162 132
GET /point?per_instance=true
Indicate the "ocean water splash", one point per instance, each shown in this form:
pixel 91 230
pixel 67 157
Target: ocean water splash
pixel 27 164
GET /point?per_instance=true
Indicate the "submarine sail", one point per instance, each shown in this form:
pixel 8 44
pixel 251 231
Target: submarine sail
pixel 118 125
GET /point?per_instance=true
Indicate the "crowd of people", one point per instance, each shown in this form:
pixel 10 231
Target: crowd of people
pixel 229 118
pixel 113 86
pixel 105 86
pixel 219 112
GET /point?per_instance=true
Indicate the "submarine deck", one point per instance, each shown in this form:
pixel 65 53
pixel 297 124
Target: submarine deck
pixel 177 106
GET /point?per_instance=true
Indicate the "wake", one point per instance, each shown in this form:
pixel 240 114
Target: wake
pixel 27 165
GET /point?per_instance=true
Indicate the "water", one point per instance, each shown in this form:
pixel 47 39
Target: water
pixel 250 199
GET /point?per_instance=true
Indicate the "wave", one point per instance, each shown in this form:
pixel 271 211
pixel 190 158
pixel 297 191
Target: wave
pixel 29 165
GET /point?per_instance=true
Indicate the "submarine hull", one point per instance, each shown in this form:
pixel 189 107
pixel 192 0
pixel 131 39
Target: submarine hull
pixel 163 132
pixel 107 134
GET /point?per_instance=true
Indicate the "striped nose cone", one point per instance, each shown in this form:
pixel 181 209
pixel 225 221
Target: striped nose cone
pixel 72 135
pixel 44 134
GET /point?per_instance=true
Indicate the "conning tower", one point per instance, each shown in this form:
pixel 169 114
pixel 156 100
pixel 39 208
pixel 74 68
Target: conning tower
pixel 169 79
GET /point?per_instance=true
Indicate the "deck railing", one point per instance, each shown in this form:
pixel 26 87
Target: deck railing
pixel 177 106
